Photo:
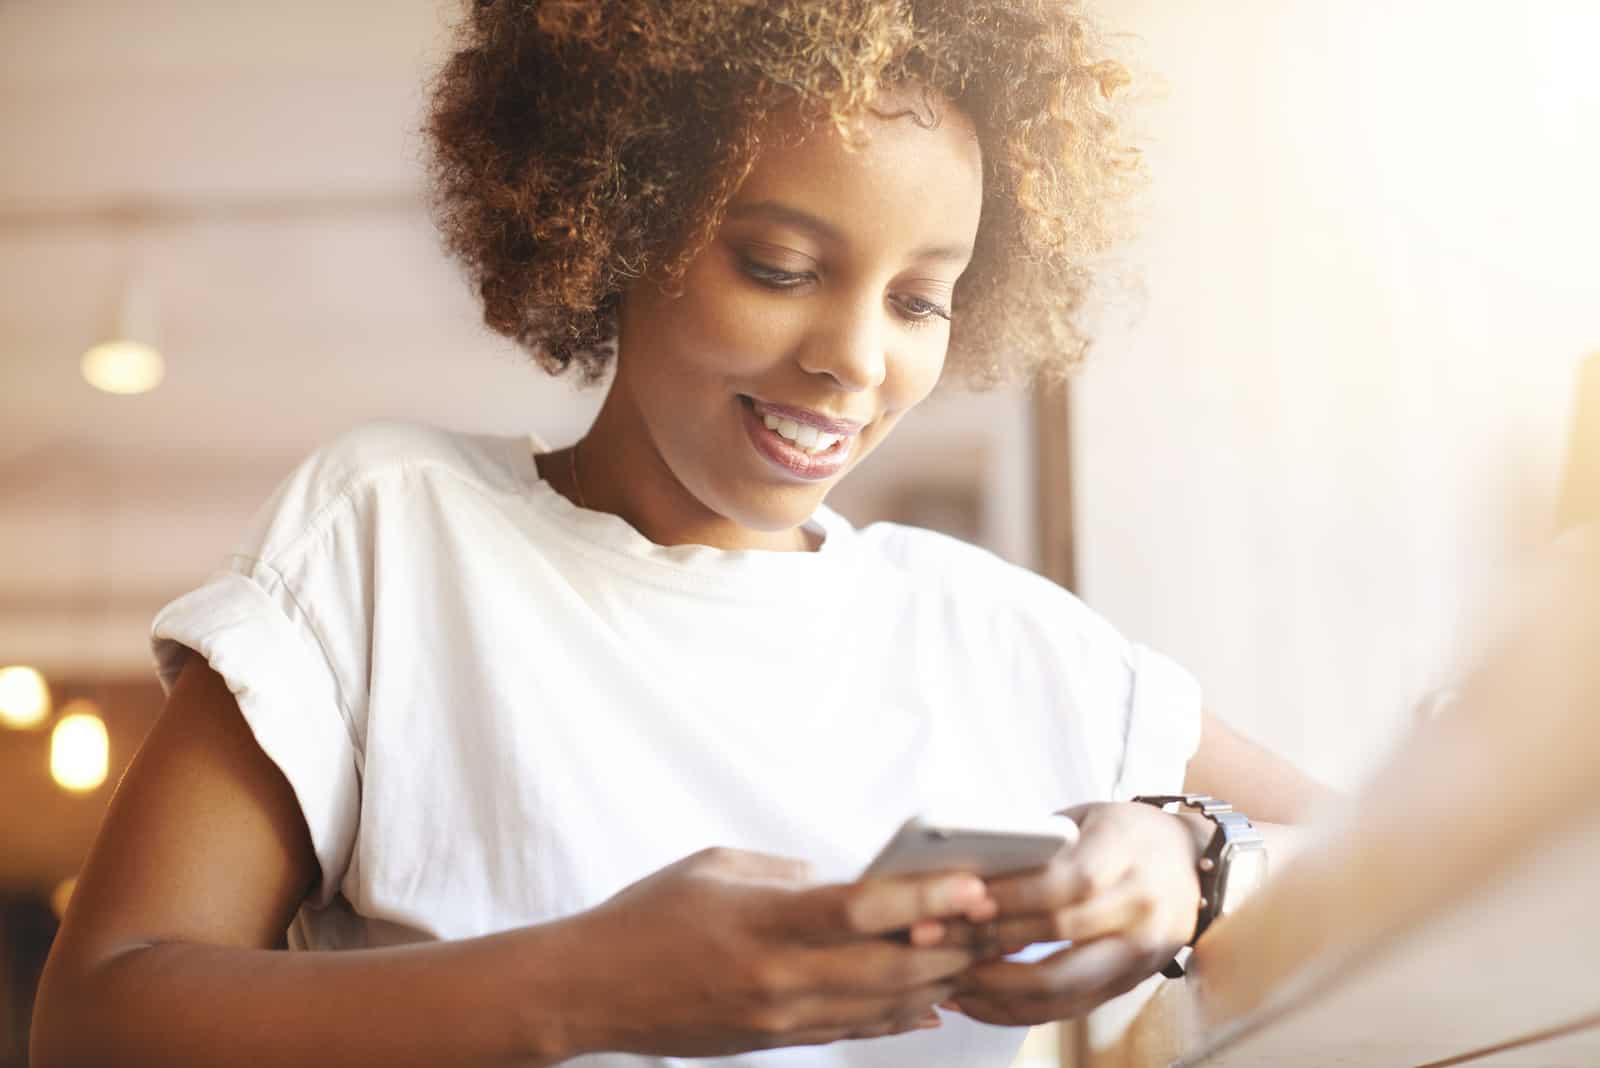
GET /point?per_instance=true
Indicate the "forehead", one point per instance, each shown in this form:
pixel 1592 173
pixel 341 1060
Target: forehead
pixel 902 184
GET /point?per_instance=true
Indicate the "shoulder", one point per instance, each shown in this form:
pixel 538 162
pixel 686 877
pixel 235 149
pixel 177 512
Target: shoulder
pixel 928 557
pixel 971 578
pixel 386 447
pixel 372 467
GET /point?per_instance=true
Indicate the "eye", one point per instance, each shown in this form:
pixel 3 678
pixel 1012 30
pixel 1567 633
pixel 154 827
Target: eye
pixel 774 277
pixel 918 311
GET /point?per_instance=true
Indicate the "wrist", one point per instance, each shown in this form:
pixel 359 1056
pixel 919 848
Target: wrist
pixel 548 1013
pixel 1200 830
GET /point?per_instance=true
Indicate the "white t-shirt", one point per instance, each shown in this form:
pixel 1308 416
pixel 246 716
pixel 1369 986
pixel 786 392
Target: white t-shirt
pixel 496 708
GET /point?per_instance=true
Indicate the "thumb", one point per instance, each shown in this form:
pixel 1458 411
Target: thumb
pixel 880 906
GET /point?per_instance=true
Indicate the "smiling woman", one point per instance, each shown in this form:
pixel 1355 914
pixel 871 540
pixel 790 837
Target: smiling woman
pixel 581 146
pixel 773 195
pixel 538 755
pixel 820 307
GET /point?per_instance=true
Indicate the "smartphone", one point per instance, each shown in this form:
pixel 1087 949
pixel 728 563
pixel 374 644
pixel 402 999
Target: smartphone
pixel 925 845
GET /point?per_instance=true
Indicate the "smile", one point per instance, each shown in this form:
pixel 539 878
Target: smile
pixel 807 437
pixel 800 442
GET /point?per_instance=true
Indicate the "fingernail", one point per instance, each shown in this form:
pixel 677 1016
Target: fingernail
pixel 949 1006
pixel 927 1023
pixel 927 933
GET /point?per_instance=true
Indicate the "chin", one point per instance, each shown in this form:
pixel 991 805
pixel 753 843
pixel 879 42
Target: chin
pixel 775 512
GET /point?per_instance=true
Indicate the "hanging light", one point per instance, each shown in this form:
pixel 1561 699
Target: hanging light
pixel 128 363
pixel 24 697
pixel 123 366
pixel 80 749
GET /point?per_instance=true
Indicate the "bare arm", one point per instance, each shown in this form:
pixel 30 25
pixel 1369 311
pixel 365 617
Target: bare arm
pixel 1257 782
pixel 166 954
pixel 1271 791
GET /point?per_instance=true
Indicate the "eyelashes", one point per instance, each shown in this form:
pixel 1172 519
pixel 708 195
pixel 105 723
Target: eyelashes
pixel 916 311
pixel 920 310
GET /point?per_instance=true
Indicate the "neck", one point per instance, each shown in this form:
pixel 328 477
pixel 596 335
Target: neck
pixel 622 472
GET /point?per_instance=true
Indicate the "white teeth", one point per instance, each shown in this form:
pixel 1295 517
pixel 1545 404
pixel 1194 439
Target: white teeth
pixel 803 435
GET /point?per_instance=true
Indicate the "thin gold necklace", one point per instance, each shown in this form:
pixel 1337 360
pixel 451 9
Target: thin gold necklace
pixel 577 487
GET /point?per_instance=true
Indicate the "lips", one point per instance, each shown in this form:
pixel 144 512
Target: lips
pixel 789 438
pixel 807 417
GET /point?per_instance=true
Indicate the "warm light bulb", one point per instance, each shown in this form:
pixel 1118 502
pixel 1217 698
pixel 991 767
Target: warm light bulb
pixel 123 367
pixel 24 697
pixel 80 749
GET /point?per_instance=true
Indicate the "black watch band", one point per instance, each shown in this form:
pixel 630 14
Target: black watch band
pixel 1234 833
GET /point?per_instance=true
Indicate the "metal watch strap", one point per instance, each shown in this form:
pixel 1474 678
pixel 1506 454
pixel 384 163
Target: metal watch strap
pixel 1221 814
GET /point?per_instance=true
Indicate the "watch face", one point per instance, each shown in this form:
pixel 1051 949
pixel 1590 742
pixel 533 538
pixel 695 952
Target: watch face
pixel 1246 871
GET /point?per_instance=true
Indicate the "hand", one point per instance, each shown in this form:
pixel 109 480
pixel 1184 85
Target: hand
pixel 727 951
pixel 1127 897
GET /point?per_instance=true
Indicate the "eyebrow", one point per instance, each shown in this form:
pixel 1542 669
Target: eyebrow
pixel 780 212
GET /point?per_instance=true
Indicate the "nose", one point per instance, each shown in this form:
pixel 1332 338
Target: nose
pixel 849 348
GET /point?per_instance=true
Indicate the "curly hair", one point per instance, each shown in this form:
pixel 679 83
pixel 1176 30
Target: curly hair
pixel 580 145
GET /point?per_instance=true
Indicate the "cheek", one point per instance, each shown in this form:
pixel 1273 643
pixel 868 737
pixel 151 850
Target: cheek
pixel 913 374
pixel 719 330
pixel 911 377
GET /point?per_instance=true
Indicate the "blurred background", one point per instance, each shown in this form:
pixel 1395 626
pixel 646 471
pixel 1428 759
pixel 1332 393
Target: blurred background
pixel 1335 396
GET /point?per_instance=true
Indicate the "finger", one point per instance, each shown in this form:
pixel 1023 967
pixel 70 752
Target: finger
pixel 1098 862
pixel 1121 908
pixel 926 1022
pixel 877 968
pixel 907 901
pixel 894 1027
pixel 1007 1013
pixel 829 1037
pixel 982 939
pixel 1080 969
pixel 878 906
pixel 1032 892
pixel 1061 1004
pixel 815 1036
pixel 905 1009
pixel 953 933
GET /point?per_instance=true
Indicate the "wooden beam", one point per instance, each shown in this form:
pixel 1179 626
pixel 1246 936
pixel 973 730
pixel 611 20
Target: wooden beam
pixel 1052 452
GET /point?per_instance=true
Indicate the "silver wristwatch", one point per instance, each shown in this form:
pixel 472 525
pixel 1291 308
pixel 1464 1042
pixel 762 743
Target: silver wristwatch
pixel 1233 866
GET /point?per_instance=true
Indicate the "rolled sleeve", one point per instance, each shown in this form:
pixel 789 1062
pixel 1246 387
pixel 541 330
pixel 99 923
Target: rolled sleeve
pixel 287 694
pixel 1163 726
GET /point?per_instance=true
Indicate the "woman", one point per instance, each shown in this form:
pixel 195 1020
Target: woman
pixel 577 754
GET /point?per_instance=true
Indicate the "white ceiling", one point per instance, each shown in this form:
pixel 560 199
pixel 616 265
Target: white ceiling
pixel 257 168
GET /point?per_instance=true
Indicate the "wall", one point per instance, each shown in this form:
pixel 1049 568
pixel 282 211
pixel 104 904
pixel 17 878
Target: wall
pixel 1310 447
